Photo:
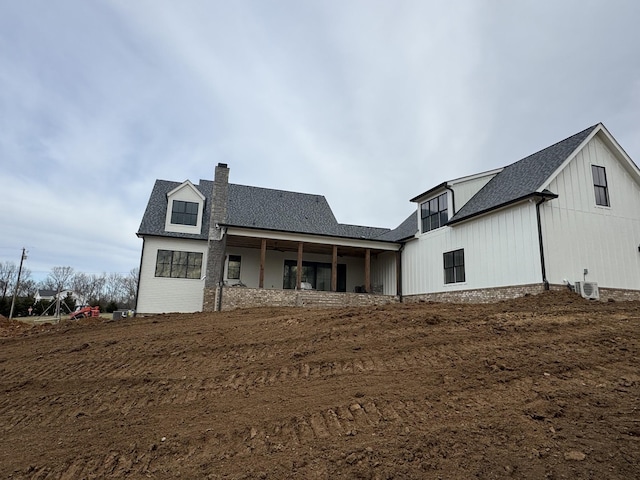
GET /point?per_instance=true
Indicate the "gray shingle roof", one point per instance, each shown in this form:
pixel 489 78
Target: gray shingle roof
pixel 406 229
pixel 522 178
pixel 260 208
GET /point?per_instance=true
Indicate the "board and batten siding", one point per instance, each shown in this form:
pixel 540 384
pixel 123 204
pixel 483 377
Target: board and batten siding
pixel 500 249
pixel 466 189
pixel 383 272
pixel 164 295
pixel 578 234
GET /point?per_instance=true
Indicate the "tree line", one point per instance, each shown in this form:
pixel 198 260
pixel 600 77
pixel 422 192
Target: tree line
pixel 109 291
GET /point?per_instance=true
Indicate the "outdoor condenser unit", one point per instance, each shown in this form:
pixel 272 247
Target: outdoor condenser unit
pixel 588 290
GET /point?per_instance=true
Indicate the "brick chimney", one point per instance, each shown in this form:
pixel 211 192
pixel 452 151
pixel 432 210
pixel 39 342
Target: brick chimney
pixel 217 239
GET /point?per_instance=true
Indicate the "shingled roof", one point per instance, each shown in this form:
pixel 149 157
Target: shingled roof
pixel 521 179
pixel 259 208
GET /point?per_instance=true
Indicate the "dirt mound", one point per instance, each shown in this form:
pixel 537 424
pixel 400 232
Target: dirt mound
pixel 540 387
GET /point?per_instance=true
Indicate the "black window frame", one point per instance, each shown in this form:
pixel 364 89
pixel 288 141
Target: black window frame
pixel 318 274
pixel 434 213
pixel 182 213
pixel 234 264
pixel 600 185
pixel 454 271
pixel 178 264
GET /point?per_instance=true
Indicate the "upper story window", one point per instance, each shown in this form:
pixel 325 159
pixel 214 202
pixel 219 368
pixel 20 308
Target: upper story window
pixel 184 213
pixel 600 185
pixel 434 213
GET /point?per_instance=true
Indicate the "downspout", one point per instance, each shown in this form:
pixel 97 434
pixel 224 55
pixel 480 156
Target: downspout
pixel 139 275
pixel 453 197
pixel 218 307
pixel 399 273
pixel 544 269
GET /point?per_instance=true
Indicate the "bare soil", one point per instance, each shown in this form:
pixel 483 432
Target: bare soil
pixel 541 387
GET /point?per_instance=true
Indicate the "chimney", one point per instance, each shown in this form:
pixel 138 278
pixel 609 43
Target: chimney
pixel 217 239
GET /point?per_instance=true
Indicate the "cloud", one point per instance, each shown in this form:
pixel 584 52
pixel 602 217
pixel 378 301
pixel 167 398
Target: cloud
pixel 366 102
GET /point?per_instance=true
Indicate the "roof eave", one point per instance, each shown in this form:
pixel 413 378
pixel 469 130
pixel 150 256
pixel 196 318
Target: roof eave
pixel 294 232
pixel 547 195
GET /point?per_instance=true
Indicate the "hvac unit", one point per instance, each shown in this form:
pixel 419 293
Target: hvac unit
pixel 588 290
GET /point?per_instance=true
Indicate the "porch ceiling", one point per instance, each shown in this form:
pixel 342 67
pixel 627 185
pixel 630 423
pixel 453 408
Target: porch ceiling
pixel 291 246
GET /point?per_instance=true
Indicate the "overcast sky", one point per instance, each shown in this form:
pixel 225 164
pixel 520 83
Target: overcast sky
pixel 368 103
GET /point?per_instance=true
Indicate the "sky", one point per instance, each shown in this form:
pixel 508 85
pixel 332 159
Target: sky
pixel 366 102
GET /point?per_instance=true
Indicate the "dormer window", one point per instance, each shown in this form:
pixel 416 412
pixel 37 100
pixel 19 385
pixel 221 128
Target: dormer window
pixel 185 207
pixel 434 213
pixel 184 213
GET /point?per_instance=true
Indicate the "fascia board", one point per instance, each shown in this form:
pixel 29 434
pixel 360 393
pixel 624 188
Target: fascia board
pixel 186 183
pixel 309 238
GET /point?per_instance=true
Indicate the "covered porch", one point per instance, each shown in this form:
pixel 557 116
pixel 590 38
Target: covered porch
pixel 306 268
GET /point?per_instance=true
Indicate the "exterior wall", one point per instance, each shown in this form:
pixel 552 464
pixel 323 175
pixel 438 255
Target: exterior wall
pixel 240 297
pixel 468 188
pixel 383 272
pixel 159 294
pixel 580 235
pixel 274 267
pixel 500 250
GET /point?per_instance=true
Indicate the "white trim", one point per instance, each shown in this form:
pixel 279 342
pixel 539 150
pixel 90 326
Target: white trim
pixel 310 238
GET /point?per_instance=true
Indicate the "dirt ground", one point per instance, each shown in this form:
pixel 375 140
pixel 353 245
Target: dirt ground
pixel 539 387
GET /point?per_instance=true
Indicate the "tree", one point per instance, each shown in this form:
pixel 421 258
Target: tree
pixel 130 288
pixel 59 278
pixel 8 275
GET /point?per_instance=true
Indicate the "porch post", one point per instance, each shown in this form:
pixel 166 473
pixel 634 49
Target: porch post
pixel 399 274
pixel 367 270
pixel 299 268
pixel 334 269
pixel 263 255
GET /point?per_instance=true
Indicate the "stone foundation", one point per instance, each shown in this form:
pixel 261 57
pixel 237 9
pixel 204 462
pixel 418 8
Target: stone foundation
pixel 619 295
pixel 490 295
pixel 243 297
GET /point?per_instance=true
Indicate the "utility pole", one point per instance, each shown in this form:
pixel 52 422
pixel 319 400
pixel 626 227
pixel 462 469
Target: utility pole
pixel 15 291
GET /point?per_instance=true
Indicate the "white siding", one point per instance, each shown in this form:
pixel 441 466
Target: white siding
pixel 499 250
pixel 468 188
pixel 383 272
pixel 160 295
pixel 274 267
pixel 578 234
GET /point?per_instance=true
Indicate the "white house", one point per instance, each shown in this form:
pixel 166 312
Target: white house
pixel 568 213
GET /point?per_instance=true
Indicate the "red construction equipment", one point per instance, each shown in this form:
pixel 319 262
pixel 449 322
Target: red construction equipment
pixel 86 311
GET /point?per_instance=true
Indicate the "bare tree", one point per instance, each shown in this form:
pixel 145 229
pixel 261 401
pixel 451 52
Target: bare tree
pixel 80 284
pixel 130 290
pixel 95 287
pixel 113 287
pixel 59 278
pixel 8 274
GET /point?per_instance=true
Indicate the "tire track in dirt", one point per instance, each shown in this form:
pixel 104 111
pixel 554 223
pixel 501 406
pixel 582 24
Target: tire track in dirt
pixel 153 392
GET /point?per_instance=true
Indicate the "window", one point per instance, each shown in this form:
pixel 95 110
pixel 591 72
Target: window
pixel 434 213
pixel 454 266
pixel 600 185
pixel 315 273
pixel 175 264
pixel 184 213
pixel 233 267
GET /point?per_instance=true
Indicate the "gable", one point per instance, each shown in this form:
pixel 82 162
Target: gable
pixel 574 183
pixel 522 179
pixel 185 209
